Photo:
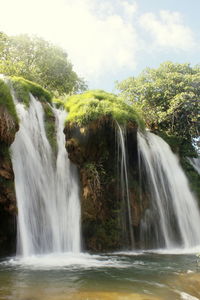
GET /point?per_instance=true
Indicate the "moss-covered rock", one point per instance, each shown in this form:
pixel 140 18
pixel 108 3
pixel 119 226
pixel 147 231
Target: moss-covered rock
pixel 23 88
pixel 92 149
pixel 93 105
pixel 8 208
pixel 6 104
pixel 91 142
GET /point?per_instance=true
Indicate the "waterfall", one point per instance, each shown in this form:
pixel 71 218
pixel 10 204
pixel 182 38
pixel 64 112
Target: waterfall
pixel 195 162
pixel 46 187
pixel 172 218
pixel 126 207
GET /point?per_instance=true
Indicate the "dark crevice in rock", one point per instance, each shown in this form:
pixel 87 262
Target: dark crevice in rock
pixel 93 149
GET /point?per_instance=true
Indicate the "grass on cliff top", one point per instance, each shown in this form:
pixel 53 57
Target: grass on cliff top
pixel 23 88
pixel 93 105
pixel 7 101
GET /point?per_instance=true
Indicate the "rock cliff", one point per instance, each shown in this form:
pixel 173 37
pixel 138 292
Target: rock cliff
pixel 94 149
pixel 8 208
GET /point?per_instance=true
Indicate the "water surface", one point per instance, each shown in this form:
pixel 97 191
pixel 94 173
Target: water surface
pixel 120 276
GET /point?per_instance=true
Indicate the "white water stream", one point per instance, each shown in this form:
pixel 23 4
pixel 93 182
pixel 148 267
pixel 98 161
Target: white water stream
pixel 46 187
pixel 195 162
pixel 124 184
pixel 173 217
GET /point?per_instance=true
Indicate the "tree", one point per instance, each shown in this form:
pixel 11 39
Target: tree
pixel 169 98
pixel 40 61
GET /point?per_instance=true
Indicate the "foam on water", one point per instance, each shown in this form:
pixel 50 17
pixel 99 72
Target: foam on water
pixel 67 260
pixel 176 251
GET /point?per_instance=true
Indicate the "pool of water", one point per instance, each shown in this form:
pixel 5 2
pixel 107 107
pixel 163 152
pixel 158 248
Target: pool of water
pixel 112 276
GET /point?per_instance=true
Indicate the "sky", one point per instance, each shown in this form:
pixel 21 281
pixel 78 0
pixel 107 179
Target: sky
pixel 110 40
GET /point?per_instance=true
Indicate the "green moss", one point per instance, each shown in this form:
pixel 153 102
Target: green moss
pixel 93 105
pixel 7 101
pixel 23 88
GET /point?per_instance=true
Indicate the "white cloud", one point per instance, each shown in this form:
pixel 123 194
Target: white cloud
pixel 129 8
pixel 168 30
pixel 102 38
pixel 97 37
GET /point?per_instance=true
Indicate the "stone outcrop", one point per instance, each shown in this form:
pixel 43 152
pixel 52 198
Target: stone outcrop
pixel 94 150
pixel 8 126
pixel 8 208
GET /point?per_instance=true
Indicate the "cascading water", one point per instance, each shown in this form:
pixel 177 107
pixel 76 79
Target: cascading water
pixel 47 192
pixel 195 162
pixel 67 192
pixel 126 209
pixel 173 217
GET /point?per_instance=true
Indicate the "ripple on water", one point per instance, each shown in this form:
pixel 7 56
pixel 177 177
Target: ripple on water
pixel 100 277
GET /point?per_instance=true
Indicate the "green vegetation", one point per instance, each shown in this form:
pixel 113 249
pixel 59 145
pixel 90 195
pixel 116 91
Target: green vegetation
pixel 40 61
pixel 93 105
pixel 168 97
pixel 7 101
pixel 23 88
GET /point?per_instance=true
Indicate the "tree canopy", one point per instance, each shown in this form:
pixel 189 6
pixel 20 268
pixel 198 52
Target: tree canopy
pixel 40 61
pixel 169 98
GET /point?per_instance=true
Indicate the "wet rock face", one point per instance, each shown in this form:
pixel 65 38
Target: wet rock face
pixel 8 127
pixel 94 150
pixel 8 209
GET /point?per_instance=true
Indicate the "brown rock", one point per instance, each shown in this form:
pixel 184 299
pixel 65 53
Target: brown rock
pixel 93 149
pixel 8 207
pixel 8 127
